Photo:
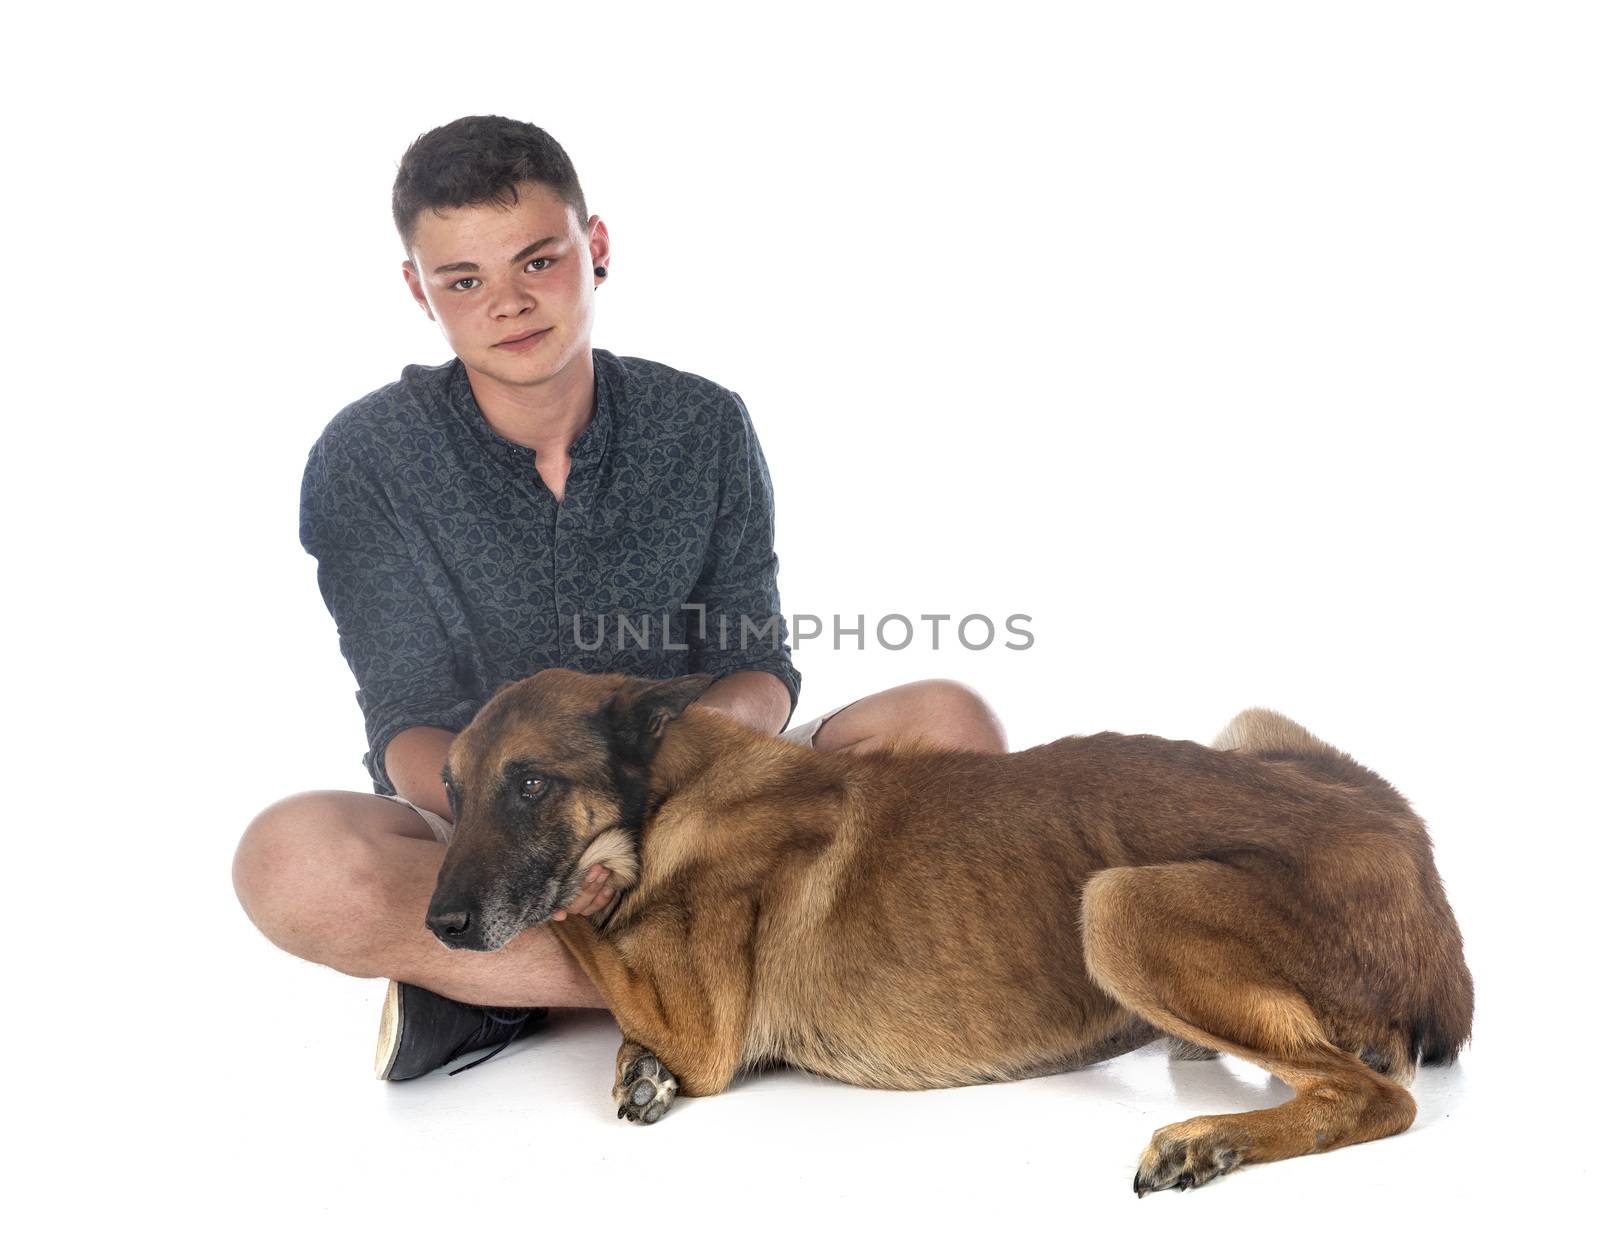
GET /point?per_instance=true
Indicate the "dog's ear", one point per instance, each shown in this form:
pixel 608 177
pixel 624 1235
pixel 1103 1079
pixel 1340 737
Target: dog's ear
pixel 639 713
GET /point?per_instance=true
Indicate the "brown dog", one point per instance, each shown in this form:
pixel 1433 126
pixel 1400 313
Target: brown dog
pixel 917 918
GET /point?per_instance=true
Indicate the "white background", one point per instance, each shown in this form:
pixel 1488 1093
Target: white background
pixel 1248 348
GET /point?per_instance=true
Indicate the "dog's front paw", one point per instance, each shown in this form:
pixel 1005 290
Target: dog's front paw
pixel 1186 1155
pixel 645 1090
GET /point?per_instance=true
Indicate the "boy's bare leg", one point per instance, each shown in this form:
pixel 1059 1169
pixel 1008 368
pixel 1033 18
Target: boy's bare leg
pixel 940 712
pixel 343 879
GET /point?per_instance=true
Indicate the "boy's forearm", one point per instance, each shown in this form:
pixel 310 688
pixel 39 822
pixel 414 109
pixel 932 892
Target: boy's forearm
pixel 414 760
pixel 755 698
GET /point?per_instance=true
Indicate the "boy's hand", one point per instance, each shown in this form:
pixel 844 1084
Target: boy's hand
pixel 594 896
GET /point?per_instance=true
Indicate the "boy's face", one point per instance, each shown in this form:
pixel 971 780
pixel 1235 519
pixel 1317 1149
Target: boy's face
pixel 474 271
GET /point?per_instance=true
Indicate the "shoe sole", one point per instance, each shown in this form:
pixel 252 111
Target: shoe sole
pixel 388 1032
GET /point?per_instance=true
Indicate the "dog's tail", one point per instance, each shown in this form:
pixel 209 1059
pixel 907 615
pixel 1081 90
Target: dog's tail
pixel 1268 734
pixel 1441 1017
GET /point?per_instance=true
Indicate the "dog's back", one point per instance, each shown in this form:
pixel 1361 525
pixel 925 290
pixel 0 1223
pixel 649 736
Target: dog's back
pixel 933 938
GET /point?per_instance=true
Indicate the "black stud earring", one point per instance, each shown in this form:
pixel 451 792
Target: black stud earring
pixel 599 272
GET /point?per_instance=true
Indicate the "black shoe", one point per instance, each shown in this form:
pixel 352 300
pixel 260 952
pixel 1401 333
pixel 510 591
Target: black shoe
pixel 420 1031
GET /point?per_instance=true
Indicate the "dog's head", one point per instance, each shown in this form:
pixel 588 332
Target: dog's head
pixel 551 777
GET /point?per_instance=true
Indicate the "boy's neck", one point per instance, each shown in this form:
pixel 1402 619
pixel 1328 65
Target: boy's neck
pixel 547 416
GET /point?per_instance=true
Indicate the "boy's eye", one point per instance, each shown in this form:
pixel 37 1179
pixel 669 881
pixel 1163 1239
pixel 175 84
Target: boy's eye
pixel 537 265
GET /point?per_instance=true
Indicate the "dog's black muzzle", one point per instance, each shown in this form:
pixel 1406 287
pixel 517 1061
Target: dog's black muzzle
pixel 456 928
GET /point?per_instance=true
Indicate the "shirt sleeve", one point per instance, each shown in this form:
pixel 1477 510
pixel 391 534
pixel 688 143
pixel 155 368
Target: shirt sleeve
pixel 389 632
pixel 743 627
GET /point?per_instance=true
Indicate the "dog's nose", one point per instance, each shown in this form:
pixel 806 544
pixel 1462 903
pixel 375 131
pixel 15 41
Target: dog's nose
pixel 450 925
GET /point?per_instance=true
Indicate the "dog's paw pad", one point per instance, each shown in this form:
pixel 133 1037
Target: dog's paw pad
pixel 646 1090
pixel 1184 1156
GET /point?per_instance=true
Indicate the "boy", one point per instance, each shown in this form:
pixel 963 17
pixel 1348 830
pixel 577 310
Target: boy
pixel 534 502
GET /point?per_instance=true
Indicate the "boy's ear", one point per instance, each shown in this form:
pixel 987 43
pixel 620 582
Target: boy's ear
pixel 639 713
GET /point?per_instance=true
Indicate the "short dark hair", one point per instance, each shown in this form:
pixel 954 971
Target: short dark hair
pixel 479 160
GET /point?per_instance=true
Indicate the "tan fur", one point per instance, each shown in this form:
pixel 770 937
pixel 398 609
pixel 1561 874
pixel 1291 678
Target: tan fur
pixel 915 918
pixel 1257 730
pixel 614 849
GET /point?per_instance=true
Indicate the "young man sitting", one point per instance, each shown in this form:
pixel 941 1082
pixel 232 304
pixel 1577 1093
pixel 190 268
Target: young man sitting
pixel 533 502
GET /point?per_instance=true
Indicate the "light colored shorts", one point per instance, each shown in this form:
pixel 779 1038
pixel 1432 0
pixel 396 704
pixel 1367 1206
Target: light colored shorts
pixel 806 733
pixel 800 734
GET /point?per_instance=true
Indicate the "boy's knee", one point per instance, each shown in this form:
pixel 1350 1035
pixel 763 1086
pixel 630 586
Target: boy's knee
pixel 273 850
pixel 307 877
pixel 960 714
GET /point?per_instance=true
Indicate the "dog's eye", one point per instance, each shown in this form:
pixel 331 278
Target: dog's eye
pixel 532 787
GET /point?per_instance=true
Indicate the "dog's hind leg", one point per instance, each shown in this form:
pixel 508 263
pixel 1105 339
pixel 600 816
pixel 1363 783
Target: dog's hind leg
pixel 1190 947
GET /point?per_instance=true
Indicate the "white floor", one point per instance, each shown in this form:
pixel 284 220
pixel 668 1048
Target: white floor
pixel 256 1124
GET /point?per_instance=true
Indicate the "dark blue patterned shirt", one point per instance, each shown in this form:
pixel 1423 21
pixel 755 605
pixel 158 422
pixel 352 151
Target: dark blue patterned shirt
pixel 451 569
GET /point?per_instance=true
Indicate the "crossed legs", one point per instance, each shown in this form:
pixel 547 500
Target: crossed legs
pixel 343 878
